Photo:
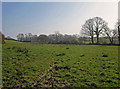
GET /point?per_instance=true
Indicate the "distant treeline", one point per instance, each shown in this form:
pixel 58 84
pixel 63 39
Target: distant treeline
pixel 58 38
pixel 93 31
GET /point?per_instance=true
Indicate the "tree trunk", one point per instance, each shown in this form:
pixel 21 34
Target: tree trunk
pixel 92 40
pixel 97 39
pixel 111 40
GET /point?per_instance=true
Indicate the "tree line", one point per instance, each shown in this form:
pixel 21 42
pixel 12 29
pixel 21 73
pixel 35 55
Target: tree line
pixel 94 31
pixel 56 38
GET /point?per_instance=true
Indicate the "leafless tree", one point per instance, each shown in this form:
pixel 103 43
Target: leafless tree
pixel 30 36
pixel 98 25
pixel 34 38
pixel 43 39
pixel 87 29
pixel 111 34
pixel 20 36
pixel 56 34
pixel 117 26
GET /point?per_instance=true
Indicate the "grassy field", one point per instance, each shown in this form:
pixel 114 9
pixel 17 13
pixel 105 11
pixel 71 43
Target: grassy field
pixel 47 65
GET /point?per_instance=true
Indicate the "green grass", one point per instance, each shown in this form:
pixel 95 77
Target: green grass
pixel 72 65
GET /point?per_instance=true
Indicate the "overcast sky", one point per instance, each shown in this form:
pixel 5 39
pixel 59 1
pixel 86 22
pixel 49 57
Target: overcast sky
pixel 48 17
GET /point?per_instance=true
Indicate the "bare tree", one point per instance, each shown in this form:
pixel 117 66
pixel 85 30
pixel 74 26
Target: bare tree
pixel 43 38
pixel 20 36
pixel 111 34
pixel 87 29
pixel 117 26
pixel 56 34
pixel 98 25
pixel 34 38
pixel 30 36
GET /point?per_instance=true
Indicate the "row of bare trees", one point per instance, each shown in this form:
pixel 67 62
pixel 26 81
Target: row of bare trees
pixel 56 38
pixel 92 31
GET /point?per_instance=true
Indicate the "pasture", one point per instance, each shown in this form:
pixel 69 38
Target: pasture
pixel 54 65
